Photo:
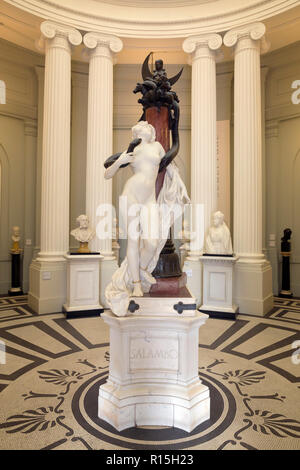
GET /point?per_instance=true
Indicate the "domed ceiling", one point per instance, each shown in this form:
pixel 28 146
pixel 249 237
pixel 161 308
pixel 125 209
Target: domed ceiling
pixel 145 25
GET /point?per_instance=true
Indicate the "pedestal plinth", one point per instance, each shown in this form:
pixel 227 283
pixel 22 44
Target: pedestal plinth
pixel 82 285
pixel 16 269
pixel 218 286
pixel 153 375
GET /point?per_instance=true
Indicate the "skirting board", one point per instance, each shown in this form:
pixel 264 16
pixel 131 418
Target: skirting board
pixel 82 313
pixel 221 315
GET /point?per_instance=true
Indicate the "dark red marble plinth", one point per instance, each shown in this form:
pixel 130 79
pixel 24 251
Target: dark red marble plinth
pixel 168 286
pixel 159 119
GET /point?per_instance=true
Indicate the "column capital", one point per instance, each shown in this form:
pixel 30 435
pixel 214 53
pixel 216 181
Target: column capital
pixel 253 32
pixel 202 45
pixel 51 30
pixel 99 42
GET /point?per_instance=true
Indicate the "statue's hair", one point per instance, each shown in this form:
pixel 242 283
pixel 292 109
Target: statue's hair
pixel 143 124
pixel 80 217
pixel 219 214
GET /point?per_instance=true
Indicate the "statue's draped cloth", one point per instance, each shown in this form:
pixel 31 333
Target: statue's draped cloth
pixel 173 193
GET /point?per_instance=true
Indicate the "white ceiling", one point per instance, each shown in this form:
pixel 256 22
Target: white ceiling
pixel 23 28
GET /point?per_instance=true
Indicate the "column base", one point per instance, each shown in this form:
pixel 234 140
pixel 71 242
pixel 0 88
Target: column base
pixel 193 270
pixel 253 286
pixel 47 285
pixel 107 269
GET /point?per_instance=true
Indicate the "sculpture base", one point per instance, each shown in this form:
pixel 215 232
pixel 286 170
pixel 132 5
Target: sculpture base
pixel 179 407
pixel 218 284
pixel 286 294
pixel 79 313
pixel 168 285
pixel 153 375
pixel 82 285
pixel 15 291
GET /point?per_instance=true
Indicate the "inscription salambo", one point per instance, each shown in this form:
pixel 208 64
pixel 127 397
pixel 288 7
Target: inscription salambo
pixel 154 353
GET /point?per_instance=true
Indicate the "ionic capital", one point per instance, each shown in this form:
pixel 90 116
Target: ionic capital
pixel 248 35
pixel 67 35
pixel 205 45
pixel 102 44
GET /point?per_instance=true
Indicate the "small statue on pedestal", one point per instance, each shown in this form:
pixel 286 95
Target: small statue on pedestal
pixel 218 240
pixel 83 234
pixel 16 237
pixel 16 262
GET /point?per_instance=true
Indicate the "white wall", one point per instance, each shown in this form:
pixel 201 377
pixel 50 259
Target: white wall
pixel 17 155
pixel 283 159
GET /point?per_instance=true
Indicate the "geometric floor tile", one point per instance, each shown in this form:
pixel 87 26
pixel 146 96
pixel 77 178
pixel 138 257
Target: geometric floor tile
pixel 49 386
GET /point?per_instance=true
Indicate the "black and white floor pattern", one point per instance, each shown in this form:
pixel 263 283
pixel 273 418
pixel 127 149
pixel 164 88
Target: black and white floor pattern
pixel 53 369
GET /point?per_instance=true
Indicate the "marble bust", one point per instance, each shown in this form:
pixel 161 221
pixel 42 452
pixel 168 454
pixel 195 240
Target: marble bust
pixel 16 237
pixel 218 239
pixel 83 234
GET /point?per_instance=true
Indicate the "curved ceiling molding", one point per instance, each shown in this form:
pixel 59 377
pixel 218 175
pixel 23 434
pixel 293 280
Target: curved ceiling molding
pixel 166 18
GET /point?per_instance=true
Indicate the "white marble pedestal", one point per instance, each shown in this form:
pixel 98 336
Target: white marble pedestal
pixel 82 285
pixel 153 375
pixel 218 286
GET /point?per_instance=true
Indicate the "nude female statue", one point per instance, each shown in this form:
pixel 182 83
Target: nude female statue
pixel 140 190
pixel 133 278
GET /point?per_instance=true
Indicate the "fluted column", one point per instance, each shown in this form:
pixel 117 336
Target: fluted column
pixel 254 289
pixel 101 49
pixel 47 284
pixel 40 73
pixel 100 125
pixel 56 139
pixel 203 122
pixel 247 42
pixel 203 50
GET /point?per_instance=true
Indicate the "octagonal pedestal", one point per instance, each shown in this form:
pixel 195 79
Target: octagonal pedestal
pixel 153 376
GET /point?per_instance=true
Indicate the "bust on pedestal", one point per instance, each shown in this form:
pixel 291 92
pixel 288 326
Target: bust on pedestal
pixel 218 263
pixel 82 275
pixel 16 263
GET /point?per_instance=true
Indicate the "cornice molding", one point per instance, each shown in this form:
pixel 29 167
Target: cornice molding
pixel 162 27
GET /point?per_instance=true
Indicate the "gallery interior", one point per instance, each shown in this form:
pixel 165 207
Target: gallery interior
pixel 185 340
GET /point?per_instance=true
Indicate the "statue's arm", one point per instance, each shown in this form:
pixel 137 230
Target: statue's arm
pixel 166 159
pixel 124 158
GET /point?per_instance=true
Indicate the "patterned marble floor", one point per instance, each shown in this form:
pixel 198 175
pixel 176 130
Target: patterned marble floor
pixel 49 383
